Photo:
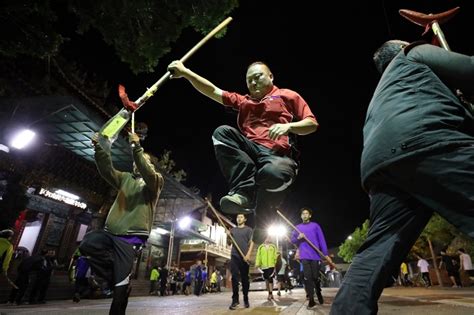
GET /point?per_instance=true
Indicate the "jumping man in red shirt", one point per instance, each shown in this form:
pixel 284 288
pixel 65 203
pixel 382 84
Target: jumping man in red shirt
pixel 260 154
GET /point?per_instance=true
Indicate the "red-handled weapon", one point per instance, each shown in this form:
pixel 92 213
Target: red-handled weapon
pixel 432 22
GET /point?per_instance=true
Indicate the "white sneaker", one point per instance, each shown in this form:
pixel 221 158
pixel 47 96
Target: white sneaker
pixel 235 204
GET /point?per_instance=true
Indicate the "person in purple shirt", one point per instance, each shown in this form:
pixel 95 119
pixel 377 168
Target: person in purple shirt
pixel 309 258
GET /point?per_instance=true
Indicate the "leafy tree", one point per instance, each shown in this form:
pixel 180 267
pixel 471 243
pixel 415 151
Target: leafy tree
pixel 351 245
pixel 167 164
pixel 443 235
pixel 438 231
pixel 140 31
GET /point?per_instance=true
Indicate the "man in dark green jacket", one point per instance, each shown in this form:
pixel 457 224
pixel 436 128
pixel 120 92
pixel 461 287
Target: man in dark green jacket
pixel 418 158
pixel 111 252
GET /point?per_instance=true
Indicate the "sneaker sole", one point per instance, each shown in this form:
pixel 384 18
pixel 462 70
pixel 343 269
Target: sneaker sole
pixel 229 207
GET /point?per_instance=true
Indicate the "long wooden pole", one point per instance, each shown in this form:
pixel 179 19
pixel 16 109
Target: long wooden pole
pixel 234 243
pixel 110 130
pixel 149 93
pixel 307 240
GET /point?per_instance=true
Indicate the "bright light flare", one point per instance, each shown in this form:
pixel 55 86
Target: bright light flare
pixel 276 230
pixel 184 223
pixel 22 139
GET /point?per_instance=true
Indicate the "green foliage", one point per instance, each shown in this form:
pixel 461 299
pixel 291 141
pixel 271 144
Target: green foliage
pixel 351 245
pixel 140 31
pixel 31 29
pixel 461 241
pixel 167 164
pixel 442 235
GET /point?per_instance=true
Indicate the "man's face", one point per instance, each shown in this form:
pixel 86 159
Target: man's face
pixel 259 81
pixel 240 219
pixel 305 216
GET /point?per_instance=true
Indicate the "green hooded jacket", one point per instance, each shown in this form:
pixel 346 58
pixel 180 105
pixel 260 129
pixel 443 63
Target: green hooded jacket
pixel 133 208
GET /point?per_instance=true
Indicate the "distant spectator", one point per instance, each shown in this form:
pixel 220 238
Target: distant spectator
pixel 281 269
pixel 205 280
pixel 81 276
pixel 198 279
pixel 26 267
pixel 424 269
pixel 172 280
pixel 266 261
pixel 179 280
pixel 43 278
pixel 453 273
pixel 6 252
pixel 213 281
pixel 163 281
pixel 220 278
pixel 187 282
pixel 465 262
pixel 404 273
pixel 154 275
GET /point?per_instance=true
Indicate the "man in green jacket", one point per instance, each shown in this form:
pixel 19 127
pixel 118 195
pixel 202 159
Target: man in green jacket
pixel 6 252
pixel 266 261
pixel 111 252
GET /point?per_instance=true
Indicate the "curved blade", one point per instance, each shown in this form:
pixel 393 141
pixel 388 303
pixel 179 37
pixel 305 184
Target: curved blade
pixel 424 20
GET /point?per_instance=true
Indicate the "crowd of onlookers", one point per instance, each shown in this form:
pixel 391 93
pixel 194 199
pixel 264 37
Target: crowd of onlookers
pixel 196 280
pixel 33 275
pixel 456 267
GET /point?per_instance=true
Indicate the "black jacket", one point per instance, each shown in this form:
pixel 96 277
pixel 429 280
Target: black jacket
pixel 414 108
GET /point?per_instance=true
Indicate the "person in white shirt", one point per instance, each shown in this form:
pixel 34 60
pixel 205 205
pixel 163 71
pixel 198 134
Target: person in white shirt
pixel 466 262
pixel 424 269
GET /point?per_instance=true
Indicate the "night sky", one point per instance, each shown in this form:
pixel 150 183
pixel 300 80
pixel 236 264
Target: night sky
pixel 323 52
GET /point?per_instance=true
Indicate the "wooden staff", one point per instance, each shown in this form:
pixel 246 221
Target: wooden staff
pixel 149 93
pixel 234 243
pixel 329 261
pixel 110 130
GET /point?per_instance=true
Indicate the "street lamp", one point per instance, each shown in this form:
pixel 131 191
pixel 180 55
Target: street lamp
pixel 184 223
pixel 278 231
pixel 349 237
pixel 22 139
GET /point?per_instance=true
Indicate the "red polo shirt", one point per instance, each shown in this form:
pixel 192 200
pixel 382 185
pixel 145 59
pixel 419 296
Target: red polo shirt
pixel 280 106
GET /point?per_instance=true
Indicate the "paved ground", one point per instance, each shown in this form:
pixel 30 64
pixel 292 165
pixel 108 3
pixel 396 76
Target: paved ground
pixel 432 301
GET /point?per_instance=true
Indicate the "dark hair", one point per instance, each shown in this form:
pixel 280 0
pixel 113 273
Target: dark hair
pixel 385 53
pixel 306 209
pixel 6 233
pixel 462 250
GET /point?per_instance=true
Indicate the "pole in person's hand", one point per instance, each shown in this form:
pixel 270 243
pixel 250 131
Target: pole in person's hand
pixel 327 258
pixel 111 129
pixel 234 243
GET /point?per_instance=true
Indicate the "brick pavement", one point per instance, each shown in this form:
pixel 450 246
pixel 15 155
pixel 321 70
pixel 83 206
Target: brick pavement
pixel 432 301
